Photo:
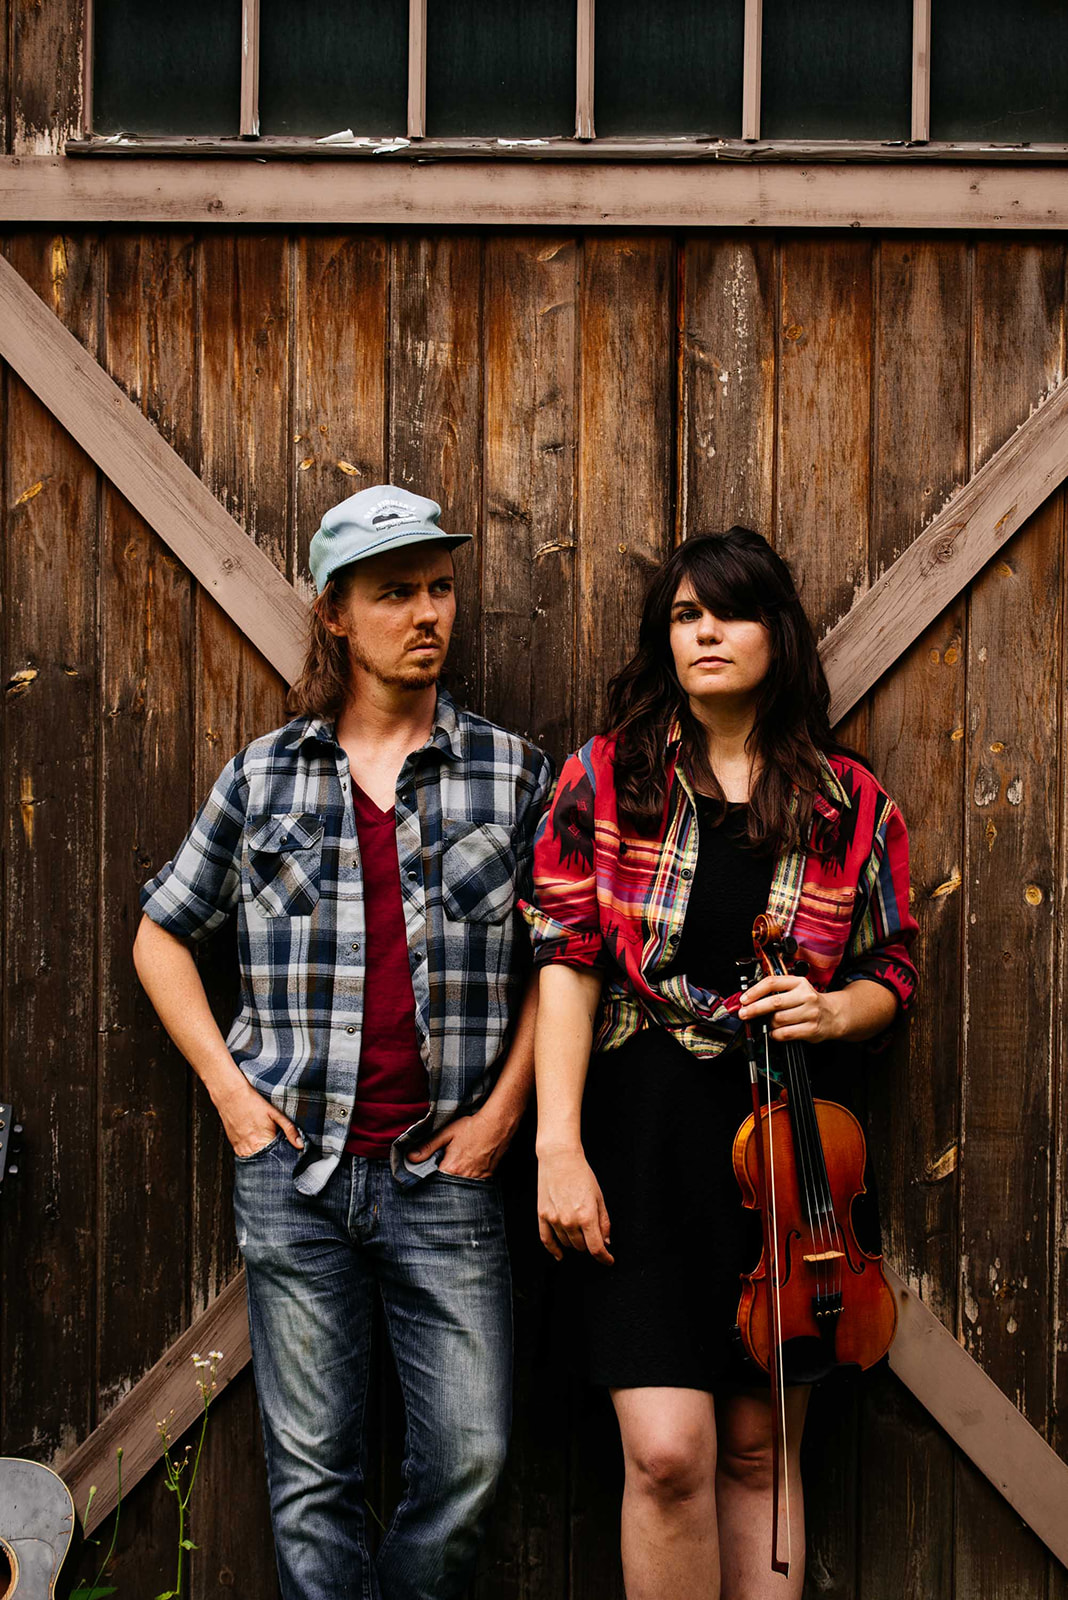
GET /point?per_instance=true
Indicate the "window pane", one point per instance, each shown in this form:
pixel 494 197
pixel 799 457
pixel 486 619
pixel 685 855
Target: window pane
pixel 502 69
pixel 673 67
pixel 167 68
pixel 836 69
pixel 334 65
pixel 999 72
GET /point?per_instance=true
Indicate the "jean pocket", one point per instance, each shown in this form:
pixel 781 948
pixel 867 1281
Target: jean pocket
pixel 458 1177
pixel 283 863
pixel 243 1161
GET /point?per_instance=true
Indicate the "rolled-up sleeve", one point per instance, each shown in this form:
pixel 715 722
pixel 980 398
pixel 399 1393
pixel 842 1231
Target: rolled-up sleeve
pixel 563 913
pixel 885 928
pixel 196 891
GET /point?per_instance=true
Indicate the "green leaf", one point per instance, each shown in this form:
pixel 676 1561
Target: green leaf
pixel 97 1592
pixel 187 1544
pixel 168 1594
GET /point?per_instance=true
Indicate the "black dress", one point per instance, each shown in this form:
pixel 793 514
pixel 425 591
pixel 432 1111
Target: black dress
pixel 658 1130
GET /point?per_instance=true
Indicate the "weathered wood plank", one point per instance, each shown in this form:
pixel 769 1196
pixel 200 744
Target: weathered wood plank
pixel 626 525
pixel 157 483
pixel 46 75
pixel 531 369
pixel 821 524
pixel 527 629
pixel 504 192
pixel 584 69
pixel 146 610
pixel 244 419
pixel 339 415
pixel 1009 871
pixel 921 358
pixel 727 430
pixel 435 409
pixel 168 1386
pixel 51 863
pixel 626 519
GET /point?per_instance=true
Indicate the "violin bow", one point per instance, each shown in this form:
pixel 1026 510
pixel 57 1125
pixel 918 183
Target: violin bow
pixel 770 1220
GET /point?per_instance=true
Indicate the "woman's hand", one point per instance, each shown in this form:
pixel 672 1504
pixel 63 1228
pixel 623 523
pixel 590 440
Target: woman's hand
pixel 571 1208
pixel 861 1010
pixel 794 1008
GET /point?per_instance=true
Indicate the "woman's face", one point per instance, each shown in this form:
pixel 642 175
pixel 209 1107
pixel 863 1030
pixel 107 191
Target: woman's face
pixel 716 657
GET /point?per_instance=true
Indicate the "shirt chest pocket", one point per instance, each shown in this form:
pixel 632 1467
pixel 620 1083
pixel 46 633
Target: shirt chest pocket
pixel 478 871
pixel 283 863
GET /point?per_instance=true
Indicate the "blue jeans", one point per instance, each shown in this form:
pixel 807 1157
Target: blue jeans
pixel 436 1254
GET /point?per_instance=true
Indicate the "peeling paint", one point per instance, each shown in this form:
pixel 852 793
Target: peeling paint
pixel 1014 793
pixel 987 787
pixel 950 886
pixel 27 802
pixel 31 493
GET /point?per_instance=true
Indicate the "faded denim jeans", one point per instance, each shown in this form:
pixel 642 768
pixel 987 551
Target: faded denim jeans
pixel 436 1254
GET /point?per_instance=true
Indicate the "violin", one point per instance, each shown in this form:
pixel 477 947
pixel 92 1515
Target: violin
pixel 816 1299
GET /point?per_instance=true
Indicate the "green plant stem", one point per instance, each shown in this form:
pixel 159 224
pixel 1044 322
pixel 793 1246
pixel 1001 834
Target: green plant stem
pixel 115 1529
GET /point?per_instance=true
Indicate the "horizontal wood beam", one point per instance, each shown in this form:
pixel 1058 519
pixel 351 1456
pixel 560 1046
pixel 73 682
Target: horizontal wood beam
pixel 980 1419
pixel 391 190
pixel 969 530
pixel 169 1387
pixel 152 476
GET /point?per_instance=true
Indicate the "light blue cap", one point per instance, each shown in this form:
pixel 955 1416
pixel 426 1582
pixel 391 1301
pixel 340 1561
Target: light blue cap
pixel 369 523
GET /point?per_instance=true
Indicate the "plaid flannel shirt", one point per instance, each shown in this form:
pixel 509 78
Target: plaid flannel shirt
pixel 276 843
pixel 608 898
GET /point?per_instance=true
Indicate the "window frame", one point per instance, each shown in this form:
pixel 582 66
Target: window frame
pixel 583 144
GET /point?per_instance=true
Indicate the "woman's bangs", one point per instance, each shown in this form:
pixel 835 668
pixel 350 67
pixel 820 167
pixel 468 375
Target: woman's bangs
pixel 728 588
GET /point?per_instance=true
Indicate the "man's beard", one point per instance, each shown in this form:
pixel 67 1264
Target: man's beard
pixel 414 677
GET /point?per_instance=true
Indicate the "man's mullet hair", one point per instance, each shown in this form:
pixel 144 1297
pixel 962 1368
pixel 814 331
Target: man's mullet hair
pixel 323 684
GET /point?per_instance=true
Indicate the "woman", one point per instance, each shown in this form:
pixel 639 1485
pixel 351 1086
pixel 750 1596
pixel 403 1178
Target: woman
pixel 717 793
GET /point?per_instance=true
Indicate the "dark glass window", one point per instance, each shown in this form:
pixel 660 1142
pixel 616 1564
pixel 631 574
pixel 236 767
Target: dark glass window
pixel 999 73
pixel 673 67
pixel 837 69
pixel 336 65
pixel 167 68
pixel 506 69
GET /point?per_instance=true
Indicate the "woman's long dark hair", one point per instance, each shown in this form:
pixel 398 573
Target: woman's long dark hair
pixel 734 574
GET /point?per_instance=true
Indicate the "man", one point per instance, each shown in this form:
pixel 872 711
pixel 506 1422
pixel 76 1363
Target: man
pixel 373 851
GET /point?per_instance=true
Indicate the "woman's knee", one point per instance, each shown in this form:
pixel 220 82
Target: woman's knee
pixel 748 1463
pixel 669 1469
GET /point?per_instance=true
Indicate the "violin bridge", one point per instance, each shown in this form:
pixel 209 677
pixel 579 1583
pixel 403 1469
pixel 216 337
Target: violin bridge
pixel 826 1255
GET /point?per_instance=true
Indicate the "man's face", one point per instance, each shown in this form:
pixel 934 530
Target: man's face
pixel 398 615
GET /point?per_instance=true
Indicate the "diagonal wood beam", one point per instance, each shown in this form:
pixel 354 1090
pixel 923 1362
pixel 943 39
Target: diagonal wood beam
pixel 948 554
pixel 170 1387
pixel 152 476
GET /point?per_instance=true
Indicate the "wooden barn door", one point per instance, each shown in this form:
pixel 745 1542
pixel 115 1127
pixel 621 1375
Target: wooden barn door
pixel 579 404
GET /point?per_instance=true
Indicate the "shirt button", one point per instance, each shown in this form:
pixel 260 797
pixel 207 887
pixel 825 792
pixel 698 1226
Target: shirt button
pixel 686 873
pixel 417 956
pixel 413 877
pixel 355 948
pixel 350 1030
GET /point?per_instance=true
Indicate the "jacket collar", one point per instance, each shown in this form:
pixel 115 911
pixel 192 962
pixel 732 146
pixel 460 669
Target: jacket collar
pixel 447 737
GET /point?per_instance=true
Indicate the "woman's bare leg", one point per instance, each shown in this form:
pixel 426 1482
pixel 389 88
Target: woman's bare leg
pixel 743 1496
pixel 669 1541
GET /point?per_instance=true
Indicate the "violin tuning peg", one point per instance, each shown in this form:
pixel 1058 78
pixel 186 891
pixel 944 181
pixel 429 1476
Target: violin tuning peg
pixel 801 969
pixel 789 947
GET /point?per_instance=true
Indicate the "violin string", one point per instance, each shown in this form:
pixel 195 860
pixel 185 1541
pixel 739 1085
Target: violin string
pixel 808 1161
pixel 830 1237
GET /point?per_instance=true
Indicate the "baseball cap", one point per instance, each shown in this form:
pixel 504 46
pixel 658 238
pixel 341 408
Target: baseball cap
pixel 377 519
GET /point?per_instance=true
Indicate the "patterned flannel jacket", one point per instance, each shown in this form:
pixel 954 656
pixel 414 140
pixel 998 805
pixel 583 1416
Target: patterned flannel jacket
pixel 276 843
pixel 608 898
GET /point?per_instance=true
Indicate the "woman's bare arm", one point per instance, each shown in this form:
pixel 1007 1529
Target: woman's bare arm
pixel 571 1208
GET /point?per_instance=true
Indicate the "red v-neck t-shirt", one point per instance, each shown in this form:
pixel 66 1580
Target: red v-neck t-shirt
pixel 391 1092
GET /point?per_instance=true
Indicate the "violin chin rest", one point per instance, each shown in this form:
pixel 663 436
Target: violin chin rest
pixel 807 1360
